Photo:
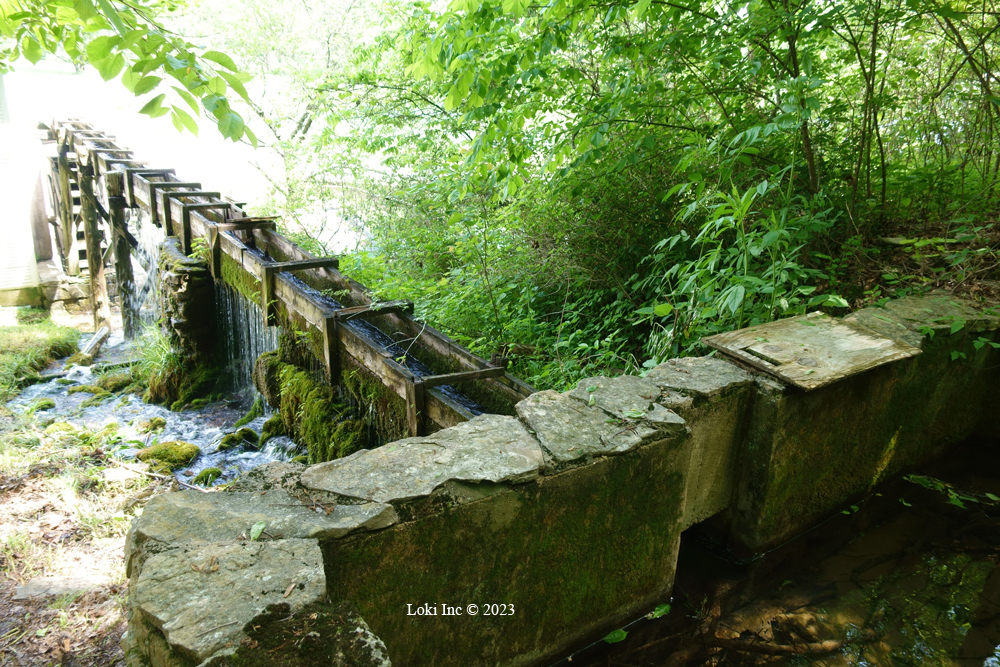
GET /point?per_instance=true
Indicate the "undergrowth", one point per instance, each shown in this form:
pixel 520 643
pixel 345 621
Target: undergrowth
pixel 28 347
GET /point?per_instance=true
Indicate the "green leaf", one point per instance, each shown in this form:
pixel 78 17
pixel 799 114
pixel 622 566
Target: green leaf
pixel 154 108
pixel 235 84
pixel 111 14
pixel 85 9
pixel 31 49
pixel 592 388
pixel 231 125
pixel 251 136
pixel 185 119
pixel 146 84
pixel 661 610
pixel 189 98
pixel 835 301
pixel 663 309
pixel 993 497
pixel 616 636
pixel 110 66
pixel 256 530
pixel 957 326
pixel 220 58
pixel 515 7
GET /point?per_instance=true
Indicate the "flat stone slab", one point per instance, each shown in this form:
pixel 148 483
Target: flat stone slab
pixel 276 474
pixel 699 376
pixel 570 429
pixel 59 585
pixel 628 397
pixel 811 351
pixel 188 517
pixel 487 448
pixel 200 597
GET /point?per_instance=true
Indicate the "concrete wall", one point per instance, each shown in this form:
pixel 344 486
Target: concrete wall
pixel 570 514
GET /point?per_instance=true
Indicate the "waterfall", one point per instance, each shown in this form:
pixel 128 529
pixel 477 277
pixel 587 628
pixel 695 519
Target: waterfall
pixel 243 337
pixel 140 296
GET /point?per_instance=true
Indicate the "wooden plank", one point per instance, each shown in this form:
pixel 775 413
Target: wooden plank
pixel 131 172
pixel 367 312
pixel 810 351
pixel 95 264
pixel 301 265
pixel 243 225
pixel 465 376
pixel 66 215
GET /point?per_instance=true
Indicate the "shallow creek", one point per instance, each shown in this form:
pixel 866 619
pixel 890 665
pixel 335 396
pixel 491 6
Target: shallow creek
pixel 905 577
pixel 203 427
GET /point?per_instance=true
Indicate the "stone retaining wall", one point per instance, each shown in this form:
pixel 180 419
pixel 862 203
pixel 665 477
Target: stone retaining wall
pixel 570 514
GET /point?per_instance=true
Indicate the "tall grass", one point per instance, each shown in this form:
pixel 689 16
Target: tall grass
pixel 29 347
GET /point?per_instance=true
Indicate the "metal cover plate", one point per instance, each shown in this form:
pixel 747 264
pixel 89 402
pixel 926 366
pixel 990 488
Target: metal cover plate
pixel 810 351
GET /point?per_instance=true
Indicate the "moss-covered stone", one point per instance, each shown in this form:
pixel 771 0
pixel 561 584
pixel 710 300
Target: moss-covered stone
pixel 576 552
pixel 266 378
pixel 80 359
pixel 63 381
pixel 381 406
pixel 243 436
pixel 87 388
pixel 150 425
pixel 207 476
pixel 272 428
pixel 60 427
pixel 115 382
pixel 256 410
pixel 169 455
pixel 309 410
pixel 43 404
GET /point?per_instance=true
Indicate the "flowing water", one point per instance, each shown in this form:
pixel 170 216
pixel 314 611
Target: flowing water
pixel 203 427
pixel 243 336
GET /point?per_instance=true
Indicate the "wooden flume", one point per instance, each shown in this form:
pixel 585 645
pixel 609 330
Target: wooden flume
pixel 109 181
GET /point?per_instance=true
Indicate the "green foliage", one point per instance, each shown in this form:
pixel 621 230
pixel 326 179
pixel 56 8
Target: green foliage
pixel 128 40
pixel 168 378
pixel 591 188
pixel 28 348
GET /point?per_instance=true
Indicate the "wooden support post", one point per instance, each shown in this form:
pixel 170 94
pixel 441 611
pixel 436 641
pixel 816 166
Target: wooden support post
pixel 140 171
pixel 186 215
pixel 331 354
pixel 95 265
pixel 114 184
pixel 66 214
pixel 415 408
pixel 267 295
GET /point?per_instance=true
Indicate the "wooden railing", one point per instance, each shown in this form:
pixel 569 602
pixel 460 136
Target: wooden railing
pixel 109 180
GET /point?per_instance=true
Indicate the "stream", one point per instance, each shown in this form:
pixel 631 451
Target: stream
pixel 203 427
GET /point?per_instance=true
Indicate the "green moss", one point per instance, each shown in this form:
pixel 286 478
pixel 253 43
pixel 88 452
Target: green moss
pixel 43 404
pixel 63 381
pixel 169 455
pixel 60 427
pixel 309 411
pixel 87 388
pixel 96 400
pixel 115 382
pixel 382 407
pixel 265 376
pixel 154 424
pixel 199 403
pixel 272 428
pixel 207 476
pixel 256 410
pixel 240 279
pixel 80 359
pixel 244 436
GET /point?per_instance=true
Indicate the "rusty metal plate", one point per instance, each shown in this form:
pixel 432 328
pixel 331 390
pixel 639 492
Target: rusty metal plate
pixel 810 351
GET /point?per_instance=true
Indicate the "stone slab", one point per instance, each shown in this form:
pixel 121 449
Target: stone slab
pixel 59 585
pixel 699 376
pixel 201 597
pixel 811 351
pixel 624 397
pixel 487 448
pixel 571 430
pixel 277 474
pixel 187 517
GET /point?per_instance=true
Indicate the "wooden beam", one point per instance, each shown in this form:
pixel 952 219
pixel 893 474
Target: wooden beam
pixel 95 264
pixel 466 376
pixel 114 184
pixel 384 308
pixel 299 265
pixel 245 224
pixel 66 214
pixel 140 171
